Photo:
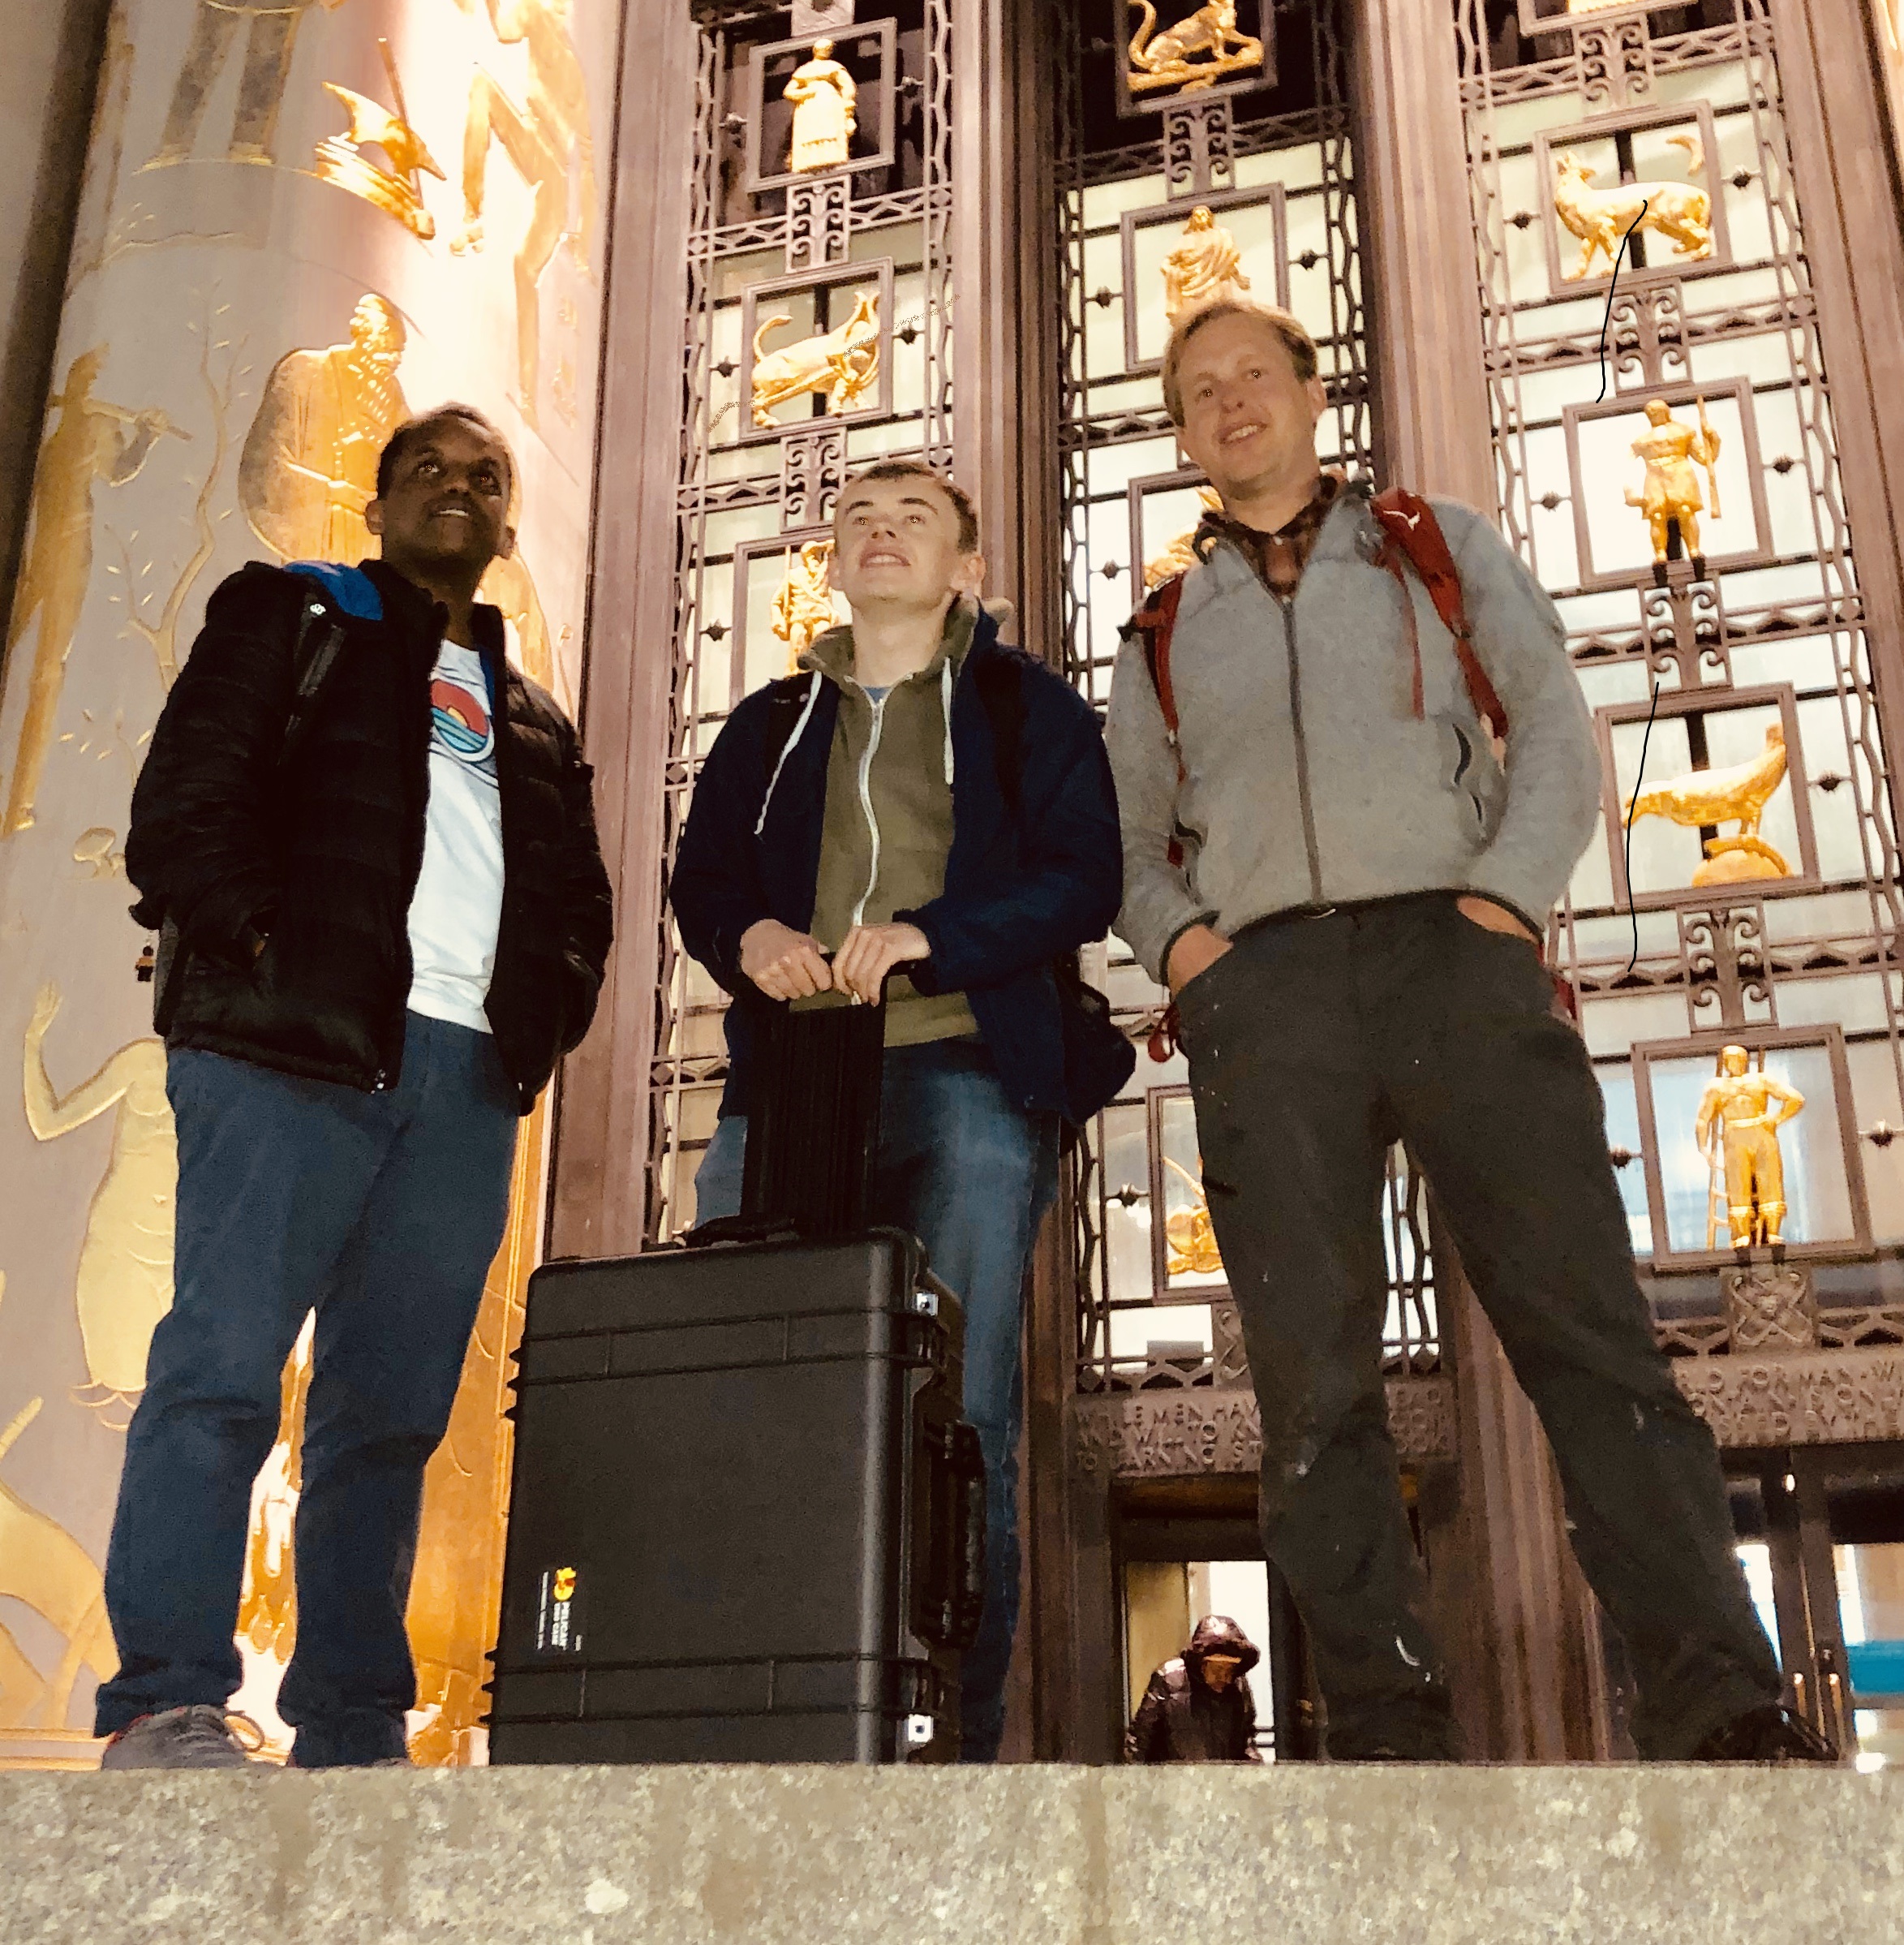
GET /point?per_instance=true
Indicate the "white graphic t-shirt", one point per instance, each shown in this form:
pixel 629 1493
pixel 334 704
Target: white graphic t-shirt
pixel 457 906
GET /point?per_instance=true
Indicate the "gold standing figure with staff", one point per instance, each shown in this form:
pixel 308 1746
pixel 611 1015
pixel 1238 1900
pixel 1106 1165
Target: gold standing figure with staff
pixel 1736 1131
pixel 1671 452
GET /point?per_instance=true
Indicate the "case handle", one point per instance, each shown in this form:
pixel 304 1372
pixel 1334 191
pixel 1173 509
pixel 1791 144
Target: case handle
pixel 950 1596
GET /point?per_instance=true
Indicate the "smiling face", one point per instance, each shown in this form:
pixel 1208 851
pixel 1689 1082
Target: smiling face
pixel 898 548
pixel 1248 421
pixel 445 509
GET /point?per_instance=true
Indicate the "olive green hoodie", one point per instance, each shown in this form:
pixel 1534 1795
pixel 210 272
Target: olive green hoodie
pixel 888 825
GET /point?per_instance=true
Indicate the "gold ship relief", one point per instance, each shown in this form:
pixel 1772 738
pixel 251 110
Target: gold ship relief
pixel 396 189
pixel 1191 54
pixel 843 362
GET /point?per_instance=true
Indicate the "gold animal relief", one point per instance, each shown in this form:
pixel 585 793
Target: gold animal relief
pixel 843 362
pixel 1191 54
pixel 1681 213
pixel 824 97
pixel 1708 798
pixel 1190 1245
pixel 1180 555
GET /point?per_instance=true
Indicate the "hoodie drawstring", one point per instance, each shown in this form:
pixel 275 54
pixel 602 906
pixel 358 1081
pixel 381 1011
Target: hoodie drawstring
pixel 945 695
pixel 813 696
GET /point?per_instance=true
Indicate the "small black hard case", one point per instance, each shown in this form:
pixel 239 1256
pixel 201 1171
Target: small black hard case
pixel 747 1520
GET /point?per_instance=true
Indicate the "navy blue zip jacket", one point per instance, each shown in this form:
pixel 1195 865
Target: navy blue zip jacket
pixel 1021 893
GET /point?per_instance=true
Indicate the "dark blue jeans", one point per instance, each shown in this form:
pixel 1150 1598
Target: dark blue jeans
pixel 381 1211
pixel 971 1174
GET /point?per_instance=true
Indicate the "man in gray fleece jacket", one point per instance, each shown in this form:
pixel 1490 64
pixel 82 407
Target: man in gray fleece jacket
pixel 1346 893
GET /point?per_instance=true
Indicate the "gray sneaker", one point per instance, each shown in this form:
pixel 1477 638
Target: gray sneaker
pixel 196 1737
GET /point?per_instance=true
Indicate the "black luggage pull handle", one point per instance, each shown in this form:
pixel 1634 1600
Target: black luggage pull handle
pixel 948 1594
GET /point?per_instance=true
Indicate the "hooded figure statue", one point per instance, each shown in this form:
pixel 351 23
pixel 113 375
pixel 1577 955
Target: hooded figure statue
pixel 1198 1707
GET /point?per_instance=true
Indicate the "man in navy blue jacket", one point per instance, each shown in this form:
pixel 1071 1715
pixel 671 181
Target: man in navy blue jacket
pixel 920 801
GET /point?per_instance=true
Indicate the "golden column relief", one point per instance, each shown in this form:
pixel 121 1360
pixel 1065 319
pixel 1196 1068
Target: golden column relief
pixel 1707 797
pixel 1680 212
pixel 804 607
pixel 93 442
pixel 124 1284
pixel 544 139
pixel 1736 1131
pixel 844 363
pixel 824 97
pixel 43 1566
pixel 1206 268
pixel 397 190
pixel 1191 54
pixel 269 32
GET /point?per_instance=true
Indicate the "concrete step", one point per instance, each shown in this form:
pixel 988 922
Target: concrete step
pixel 1308 1856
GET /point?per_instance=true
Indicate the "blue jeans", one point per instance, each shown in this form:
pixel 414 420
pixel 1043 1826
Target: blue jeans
pixel 970 1174
pixel 382 1213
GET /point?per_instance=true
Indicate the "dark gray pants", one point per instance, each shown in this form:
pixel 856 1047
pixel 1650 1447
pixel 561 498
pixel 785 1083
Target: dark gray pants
pixel 1314 1045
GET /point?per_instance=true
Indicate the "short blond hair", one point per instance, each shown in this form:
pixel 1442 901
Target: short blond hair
pixel 1290 328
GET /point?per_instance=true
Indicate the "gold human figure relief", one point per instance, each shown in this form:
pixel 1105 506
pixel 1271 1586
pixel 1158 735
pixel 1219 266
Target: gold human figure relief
pixel 397 190
pixel 1189 1235
pixel 1736 1131
pixel 507 585
pixel 91 441
pixel 803 609
pixel 1192 53
pixel 1672 453
pixel 542 139
pixel 1707 797
pixel 43 1565
pixel 270 29
pixel 1180 555
pixel 124 1284
pixel 1204 267
pixel 1682 213
pixel 844 363
pixel 824 97
pixel 309 464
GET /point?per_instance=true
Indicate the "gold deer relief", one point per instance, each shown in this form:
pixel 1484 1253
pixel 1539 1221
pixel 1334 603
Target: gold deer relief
pixel 843 362
pixel 1681 213
pixel 396 189
pixel 45 1568
pixel 1193 54
pixel 124 1282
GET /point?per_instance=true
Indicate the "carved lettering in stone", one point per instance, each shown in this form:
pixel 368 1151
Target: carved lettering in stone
pixel 1805 1398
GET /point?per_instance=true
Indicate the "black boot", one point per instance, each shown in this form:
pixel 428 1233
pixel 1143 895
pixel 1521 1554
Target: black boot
pixel 1767 1734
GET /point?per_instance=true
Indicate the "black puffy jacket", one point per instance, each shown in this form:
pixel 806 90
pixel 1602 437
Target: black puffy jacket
pixel 319 852
pixel 1183 1720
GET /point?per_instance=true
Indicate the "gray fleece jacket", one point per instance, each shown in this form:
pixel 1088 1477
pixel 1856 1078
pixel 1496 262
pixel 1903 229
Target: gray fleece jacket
pixel 1309 780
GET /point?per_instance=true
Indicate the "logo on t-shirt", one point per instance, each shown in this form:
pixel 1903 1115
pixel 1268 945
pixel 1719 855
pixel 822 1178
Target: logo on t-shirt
pixel 460 725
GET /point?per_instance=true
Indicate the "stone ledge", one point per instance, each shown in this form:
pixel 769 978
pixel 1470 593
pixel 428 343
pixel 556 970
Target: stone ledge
pixel 1313 1855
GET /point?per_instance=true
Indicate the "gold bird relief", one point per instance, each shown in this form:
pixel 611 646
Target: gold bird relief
pixel 1707 797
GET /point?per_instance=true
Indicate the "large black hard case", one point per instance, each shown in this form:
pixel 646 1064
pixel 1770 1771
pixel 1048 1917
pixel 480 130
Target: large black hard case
pixel 746 1522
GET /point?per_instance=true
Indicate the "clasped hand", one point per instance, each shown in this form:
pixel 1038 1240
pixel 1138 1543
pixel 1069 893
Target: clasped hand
pixel 787 964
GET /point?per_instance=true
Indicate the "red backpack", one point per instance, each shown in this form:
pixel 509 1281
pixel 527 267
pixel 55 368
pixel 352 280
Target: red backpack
pixel 1412 533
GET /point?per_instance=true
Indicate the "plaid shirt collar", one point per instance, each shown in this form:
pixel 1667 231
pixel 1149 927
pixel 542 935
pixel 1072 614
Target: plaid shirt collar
pixel 1279 558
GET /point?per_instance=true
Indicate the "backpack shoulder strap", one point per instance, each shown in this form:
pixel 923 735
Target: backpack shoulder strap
pixel 1001 689
pixel 1157 622
pixel 314 649
pixel 1414 534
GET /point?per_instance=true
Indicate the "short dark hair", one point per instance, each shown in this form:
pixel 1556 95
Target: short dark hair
pixel 1296 341
pixel 413 429
pixel 917 469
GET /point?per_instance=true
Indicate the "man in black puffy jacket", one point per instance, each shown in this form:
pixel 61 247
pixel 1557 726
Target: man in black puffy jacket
pixel 1198 1707
pixel 370 846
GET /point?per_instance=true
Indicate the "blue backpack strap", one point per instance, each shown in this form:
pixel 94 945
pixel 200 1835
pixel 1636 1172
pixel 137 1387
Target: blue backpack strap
pixel 350 587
